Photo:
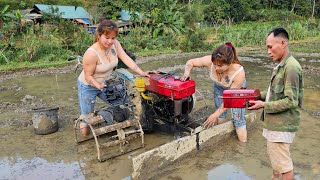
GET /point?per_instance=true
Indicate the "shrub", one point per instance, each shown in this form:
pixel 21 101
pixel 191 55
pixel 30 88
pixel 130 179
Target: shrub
pixel 194 41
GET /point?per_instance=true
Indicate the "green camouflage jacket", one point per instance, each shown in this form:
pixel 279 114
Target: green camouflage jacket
pixel 281 112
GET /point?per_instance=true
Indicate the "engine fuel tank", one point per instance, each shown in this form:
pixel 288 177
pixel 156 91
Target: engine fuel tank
pixel 239 98
pixel 169 86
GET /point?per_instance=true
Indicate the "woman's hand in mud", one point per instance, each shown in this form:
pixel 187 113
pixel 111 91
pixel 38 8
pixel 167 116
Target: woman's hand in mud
pixel 211 120
pixel 184 77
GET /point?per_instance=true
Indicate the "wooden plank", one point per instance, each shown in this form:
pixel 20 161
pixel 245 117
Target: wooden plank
pixel 114 127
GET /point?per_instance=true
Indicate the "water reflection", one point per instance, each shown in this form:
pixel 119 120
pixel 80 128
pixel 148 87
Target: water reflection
pixel 38 168
pixel 227 172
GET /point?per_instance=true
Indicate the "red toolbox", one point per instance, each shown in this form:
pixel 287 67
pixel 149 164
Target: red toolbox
pixel 239 98
pixel 169 86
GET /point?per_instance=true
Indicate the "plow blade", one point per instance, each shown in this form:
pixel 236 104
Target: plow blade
pixel 111 140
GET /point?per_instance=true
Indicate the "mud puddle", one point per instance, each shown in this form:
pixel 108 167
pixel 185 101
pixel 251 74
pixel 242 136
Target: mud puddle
pixel 24 155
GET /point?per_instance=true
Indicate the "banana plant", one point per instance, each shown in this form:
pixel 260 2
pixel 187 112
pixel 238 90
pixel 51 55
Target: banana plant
pixel 3 15
pixel 167 19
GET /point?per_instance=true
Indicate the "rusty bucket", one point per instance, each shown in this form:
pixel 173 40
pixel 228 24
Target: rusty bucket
pixel 45 120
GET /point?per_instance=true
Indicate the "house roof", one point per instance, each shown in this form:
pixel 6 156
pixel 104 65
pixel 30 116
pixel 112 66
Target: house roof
pixel 67 12
pixel 82 21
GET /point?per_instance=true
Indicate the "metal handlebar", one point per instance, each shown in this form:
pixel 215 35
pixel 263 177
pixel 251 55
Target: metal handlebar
pixel 79 61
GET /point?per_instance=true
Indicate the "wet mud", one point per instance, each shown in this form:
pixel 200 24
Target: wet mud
pixel 25 155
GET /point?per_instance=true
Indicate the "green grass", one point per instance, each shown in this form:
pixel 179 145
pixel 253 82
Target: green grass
pixel 309 45
pixel 254 33
pixel 147 52
pixel 17 66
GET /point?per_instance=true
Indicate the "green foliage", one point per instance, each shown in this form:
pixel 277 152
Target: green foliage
pixel 193 15
pixel 215 10
pixel 246 33
pixel 80 42
pixel 302 30
pixel 166 19
pixel 18 4
pixel 252 33
pixel 141 38
pixel 309 45
pixel 194 41
pixel 194 38
pixel 53 41
pixel 43 46
pixel 272 15
pixel 110 9
pixel 236 10
pixel 3 56
pixel 4 15
pixel 138 38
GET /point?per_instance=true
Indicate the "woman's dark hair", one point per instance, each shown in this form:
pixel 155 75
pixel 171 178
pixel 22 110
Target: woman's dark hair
pixel 106 27
pixel 225 54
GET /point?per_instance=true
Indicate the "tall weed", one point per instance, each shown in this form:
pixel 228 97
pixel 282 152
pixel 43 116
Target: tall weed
pixel 141 38
pixel 194 41
pixel 254 33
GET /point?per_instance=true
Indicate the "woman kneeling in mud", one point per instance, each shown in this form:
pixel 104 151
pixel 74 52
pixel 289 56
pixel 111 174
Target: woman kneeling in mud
pixel 226 73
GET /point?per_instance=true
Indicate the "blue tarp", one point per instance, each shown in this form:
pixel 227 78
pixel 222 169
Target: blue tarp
pixel 86 20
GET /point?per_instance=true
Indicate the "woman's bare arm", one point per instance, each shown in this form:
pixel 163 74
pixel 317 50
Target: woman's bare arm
pixel 90 60
pixel 204 61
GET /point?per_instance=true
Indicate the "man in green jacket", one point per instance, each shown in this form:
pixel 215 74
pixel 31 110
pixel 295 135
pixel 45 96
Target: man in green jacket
pixel 281 103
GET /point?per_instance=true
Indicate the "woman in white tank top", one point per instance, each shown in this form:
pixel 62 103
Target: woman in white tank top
pixel 98 63
pixel 226 72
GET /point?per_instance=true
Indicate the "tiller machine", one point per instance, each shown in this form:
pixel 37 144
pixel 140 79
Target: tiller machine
pixel 114 125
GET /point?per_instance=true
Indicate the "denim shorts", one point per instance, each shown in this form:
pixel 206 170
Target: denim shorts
pixel 87 97
pixel 237 114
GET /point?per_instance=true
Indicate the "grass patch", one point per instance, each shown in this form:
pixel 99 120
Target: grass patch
pixel 254 33
pixel 17 66
pixel 147 52
pixel 309 45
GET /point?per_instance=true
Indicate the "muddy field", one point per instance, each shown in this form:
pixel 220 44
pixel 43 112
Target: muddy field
pixel 24 155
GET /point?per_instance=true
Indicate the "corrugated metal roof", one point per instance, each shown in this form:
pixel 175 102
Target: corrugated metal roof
pixel 67 12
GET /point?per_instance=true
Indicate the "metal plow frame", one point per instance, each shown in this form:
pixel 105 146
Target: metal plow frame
pixel 122 138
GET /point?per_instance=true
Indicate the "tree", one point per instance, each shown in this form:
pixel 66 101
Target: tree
pixel 216 10
pixel 293 5
pixel 313 7
pixel 236 10
pixel 110 9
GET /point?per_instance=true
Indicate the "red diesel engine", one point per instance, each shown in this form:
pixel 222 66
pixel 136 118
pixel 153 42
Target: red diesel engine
pixel 165 99
pixel 170 86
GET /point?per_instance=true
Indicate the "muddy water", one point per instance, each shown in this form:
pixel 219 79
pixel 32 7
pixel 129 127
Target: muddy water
pixel 24 155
